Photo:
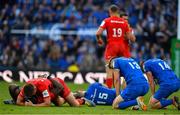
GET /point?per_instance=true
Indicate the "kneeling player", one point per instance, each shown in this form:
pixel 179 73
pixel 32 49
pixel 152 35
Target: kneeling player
pixel 137 85
pixel 157 69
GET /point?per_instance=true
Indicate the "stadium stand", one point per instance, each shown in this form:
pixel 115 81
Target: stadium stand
pixel 154 23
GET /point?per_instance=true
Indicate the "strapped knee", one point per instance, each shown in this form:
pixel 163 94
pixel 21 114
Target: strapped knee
pixel 117 100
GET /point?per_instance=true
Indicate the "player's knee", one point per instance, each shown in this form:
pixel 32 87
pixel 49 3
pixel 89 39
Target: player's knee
pixel 154 106
pixel 153 103
pixel 76 104
pixel 72 101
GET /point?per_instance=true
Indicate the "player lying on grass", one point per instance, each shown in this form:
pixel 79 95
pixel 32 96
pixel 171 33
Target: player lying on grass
pixel 157 69
pixel 42 91
pixel 137 85
pixel 98 93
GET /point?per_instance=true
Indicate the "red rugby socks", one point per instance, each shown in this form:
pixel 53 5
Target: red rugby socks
pixel 109 82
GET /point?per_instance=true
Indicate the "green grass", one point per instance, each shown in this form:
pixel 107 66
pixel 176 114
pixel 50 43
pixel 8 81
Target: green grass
pixel 13 109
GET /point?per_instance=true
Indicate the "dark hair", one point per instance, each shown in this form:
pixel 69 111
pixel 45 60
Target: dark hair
pixel 114 8
pixel 141 63
pixel 110 61
pixel 123 14
pixel 28 90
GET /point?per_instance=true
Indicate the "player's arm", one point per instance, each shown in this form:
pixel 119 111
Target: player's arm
pixel 99 33
pixel 98 36
pixel 128 33
pixel 46 103
pixel 123 84
pixel 20 100
pixel 130 36
pixel 117 81
pixel 151 81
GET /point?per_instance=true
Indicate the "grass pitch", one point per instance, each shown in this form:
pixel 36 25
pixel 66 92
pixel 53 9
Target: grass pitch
pixel 65 109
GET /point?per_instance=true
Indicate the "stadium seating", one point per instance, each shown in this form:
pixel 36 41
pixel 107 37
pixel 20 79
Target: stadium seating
pixel 153 21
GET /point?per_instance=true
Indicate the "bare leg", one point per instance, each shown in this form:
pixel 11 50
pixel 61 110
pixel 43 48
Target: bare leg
pixel 72 101
pixel 109 79
pixel 154 103
pixel 59 101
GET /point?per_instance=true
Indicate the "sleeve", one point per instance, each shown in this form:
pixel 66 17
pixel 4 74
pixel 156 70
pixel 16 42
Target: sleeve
pixel 21 93
pixel 115 64
pixel 146 67
pixel 43 88
pixel 103 24
pixel 131 30
pixel 127 27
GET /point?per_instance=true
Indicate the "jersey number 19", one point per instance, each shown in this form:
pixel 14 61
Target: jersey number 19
pixel 117 32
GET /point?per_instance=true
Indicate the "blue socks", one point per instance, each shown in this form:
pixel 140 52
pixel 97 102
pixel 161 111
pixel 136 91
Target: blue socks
pixel 126 104
pixel 165 102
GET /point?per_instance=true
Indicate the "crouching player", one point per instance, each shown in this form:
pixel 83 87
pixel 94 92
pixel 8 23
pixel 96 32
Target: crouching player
pixel 41 92
pixel 137 85
pixel 98 93
pixel 157 69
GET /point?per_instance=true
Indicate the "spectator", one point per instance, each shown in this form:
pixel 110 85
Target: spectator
pixel 153 21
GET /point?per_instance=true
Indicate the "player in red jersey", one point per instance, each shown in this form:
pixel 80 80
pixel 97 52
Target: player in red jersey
pixel 127 41
pixel 41 92
pixel 118 33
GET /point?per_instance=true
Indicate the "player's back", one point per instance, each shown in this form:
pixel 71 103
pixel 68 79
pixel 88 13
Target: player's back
pixel 130 70
pixel 161 71
pixel 100 94
pixel 41 83
pixel 116 28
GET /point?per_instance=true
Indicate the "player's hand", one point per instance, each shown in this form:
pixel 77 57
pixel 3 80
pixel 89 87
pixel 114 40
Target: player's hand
pixel 100 42
pixel 28 103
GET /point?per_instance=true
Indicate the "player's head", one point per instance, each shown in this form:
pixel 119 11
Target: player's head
pixel 124 15
pixel 113 10
pixel 29 90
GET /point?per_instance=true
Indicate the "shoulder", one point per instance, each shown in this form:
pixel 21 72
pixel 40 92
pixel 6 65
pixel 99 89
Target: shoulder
pixel 43 82
pixel 106 20
pixel 148 62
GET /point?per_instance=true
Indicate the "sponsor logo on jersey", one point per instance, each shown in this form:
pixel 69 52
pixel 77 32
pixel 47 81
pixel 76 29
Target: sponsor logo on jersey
pixel 45 93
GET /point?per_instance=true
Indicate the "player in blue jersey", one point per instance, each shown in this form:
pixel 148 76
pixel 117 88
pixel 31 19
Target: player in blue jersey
pixel 99 94
pixel 157 69
pixel 137 85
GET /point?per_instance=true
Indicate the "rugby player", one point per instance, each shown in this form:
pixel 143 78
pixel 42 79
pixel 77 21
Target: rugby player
pixel 137 85
pixel 117 30
pixel 98 93
pixel 41 92
pixel 157 69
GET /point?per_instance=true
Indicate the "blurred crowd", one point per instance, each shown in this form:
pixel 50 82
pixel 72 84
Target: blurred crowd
pixel 154 23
